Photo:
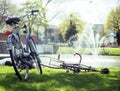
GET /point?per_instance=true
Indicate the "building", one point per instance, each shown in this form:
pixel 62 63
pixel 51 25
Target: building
pixel 53 34
pixel 3 44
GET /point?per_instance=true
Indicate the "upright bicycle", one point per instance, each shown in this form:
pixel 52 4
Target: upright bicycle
pixel 22 57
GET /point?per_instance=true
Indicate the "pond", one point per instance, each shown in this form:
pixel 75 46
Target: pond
pixel 89 60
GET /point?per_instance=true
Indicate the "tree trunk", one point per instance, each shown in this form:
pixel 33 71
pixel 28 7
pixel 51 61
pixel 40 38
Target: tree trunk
pixel 118 37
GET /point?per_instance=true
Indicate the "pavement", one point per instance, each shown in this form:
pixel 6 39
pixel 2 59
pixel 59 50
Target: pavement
pixel 4 56
pixel 5 59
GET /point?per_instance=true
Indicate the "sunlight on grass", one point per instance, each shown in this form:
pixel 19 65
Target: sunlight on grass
pixel 59 80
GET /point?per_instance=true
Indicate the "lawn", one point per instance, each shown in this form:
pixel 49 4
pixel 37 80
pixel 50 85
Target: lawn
pixel 59 80
pixel 89 51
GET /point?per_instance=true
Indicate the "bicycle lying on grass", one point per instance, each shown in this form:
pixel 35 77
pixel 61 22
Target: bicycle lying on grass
pixel 76 67
pixel 22 57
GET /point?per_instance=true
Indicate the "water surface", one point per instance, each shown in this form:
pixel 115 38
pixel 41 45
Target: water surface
pixel 89 60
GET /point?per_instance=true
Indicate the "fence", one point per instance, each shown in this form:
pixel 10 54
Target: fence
pixel 3 47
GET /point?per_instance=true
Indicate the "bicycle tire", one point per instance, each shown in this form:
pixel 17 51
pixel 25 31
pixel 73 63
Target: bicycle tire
pixel 38 64
pixel 21 72
pixel 35 56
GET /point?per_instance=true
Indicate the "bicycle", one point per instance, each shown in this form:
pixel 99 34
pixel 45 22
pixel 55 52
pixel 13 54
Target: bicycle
pixel 22 57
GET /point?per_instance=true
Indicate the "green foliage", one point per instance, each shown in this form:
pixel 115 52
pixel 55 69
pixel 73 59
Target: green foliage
pixel 113 20
pixel 38 19
pixel 72 25
pixel 7 9
pixel 113 23
pixel 71 31
pixel 89 51
pixel 65 50
pixel 59 80
pixel 110 51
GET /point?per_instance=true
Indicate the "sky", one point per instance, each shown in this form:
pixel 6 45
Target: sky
pixel 90 11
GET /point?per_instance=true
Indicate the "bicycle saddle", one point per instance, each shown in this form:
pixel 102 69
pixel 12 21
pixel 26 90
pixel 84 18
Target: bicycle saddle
pixel 11 21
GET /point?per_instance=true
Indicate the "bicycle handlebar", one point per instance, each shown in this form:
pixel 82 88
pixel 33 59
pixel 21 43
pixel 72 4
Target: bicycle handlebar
pixel 33 11
pixel 15 20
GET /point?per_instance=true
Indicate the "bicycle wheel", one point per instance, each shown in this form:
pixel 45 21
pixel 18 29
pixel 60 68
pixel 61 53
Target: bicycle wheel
pixel 35 55
pixel 37 62
pixel 21 69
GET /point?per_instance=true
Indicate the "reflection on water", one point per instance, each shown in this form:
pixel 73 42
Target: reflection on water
pixel 102 61
pixel 90 60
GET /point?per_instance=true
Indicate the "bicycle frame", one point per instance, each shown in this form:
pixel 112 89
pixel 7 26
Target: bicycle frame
pixel 23 57
pixel 11 37
pixel 29 43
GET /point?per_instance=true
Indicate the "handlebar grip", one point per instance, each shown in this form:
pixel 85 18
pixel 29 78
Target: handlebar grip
pixel 33 11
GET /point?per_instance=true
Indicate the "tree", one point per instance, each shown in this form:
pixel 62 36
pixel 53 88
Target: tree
pixel 71 30
pixel 39 19
pixel 6 10
pixel 113 22
pixel 71 26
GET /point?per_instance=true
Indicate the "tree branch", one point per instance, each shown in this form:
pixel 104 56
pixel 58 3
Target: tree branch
pixel 48 2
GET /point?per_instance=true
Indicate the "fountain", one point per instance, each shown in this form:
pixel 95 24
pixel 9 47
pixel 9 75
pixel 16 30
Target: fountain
pixel 89 40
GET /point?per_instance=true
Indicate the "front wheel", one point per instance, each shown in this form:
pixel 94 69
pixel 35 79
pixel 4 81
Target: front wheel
pixel 38 63
pixel 105 71
pixel 35 55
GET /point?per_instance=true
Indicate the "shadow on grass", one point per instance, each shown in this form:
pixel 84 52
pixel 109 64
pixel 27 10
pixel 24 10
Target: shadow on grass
pixel 60 81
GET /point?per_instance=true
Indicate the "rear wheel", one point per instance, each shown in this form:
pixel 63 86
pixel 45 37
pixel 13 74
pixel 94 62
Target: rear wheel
pixel 20 68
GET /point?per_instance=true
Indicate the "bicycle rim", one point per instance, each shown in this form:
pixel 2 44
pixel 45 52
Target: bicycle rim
pixel 38 63
pixel 35 56
pixel 20 69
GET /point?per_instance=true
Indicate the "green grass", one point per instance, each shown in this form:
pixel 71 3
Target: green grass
pixel 66 50
pixel 59 80
pixel 110 51
pixel 89 51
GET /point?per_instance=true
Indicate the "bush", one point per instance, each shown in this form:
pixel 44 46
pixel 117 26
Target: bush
pixel 90 51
